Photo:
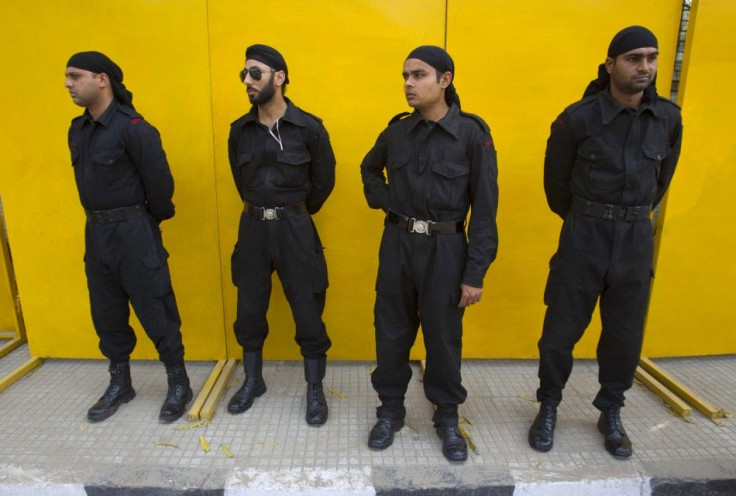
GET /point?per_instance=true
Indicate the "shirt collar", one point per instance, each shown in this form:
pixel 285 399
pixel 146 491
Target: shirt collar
pixel 449 122
pixel 610 108
pixel 106 116
pixel 291 115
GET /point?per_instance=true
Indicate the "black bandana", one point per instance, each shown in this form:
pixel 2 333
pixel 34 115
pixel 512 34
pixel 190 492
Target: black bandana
pixel 269 56
pixel 100 63
pixel 441 61
pixel 624 41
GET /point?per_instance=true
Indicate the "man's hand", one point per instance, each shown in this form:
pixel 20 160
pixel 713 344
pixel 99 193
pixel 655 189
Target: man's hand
pixel 469 295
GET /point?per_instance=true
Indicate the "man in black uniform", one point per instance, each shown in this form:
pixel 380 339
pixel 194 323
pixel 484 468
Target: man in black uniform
pixel 610 158
pixel 284 170
pixel 126 187
pixel 439 161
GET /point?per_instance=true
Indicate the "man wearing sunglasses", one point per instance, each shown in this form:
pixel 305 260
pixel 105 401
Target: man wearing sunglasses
pixel 438 162
pixel 609 161
pixel 284 170
pixel 125 187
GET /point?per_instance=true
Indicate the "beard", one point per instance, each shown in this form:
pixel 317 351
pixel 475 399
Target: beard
pixel 265 95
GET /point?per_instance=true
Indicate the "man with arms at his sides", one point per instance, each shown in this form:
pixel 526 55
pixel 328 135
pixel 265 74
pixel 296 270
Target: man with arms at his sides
pixel 438 161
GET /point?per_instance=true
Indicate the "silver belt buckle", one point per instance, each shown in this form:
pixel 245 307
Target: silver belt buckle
pixel 420 227
pixel 270 214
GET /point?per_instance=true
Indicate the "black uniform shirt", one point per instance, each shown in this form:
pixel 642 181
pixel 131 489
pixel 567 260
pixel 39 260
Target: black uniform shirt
pixel 436 171
pixel 299 169
pixel 119 162
pixel 603 152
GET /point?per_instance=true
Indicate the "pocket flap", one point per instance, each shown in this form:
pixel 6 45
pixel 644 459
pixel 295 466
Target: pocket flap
pixel 451 170
pixel 108 156
pixel 293 158
pixel 656 152
pixel 594 151
pixel 398 160
pixel 244 158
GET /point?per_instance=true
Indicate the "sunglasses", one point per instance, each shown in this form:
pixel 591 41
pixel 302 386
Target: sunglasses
pixel 255 73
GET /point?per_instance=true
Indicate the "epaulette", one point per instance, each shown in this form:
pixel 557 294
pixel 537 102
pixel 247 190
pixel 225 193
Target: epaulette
pixel 398 117
pixel 663 99
pixel 479 120
pixel 311 115
pixel 583 102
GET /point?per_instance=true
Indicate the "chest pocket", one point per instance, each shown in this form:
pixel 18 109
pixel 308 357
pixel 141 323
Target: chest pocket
pixel 398 161
pixel 293 158
pixel 108 156
pixel 450 185
pixel 244 158
pixel 598 167
pixel 656 152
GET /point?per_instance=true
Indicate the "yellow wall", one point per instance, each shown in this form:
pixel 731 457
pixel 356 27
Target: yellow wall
pixel 518 65
pixel 692 306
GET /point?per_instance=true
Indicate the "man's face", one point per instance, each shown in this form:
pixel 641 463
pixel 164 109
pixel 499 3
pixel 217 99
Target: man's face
pixel 633 71
pixel 421 88
pixel 260 91
pixel 84 87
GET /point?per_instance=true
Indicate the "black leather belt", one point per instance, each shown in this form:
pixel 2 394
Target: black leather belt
pixel 115 214
pixel 427 227
pixel 610 212
pixel 275 213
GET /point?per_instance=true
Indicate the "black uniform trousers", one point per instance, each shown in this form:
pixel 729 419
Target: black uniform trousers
pixel 126 262
pixel 610 259
pixel 291 247
pixel 418 281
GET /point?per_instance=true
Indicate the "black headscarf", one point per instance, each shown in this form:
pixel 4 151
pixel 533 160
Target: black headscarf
pixel 269 56
pixel 624 41
pixel 100 63
pixel 442 62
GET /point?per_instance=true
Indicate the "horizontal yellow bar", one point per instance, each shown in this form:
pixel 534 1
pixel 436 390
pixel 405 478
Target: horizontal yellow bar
pixel 684 392
pixel 208 410
pixel 205 391
pixel 679 406
pixel 19 372
pixel 10 346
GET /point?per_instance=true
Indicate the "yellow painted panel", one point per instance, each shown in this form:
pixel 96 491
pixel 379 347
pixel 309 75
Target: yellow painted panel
pixel 345 61
pixel 518 65
pixel 692 307
pixel 162 48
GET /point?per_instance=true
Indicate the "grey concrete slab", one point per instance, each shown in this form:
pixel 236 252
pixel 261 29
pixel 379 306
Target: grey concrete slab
pixel 48 446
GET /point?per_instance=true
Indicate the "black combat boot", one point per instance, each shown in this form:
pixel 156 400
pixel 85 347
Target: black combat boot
pixel 542 431
pixel 252 387
pixel 314 372
pixel 118 392
pixel 617 443
pixel 179 394
pixel 454 446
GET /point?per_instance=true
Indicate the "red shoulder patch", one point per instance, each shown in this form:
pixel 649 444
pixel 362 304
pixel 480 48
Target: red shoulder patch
pixel 136 120
pixel 489 142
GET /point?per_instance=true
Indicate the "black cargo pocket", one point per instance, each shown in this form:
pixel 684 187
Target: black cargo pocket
pixel 320 282
pixel 449 183
pixel 108 156
pixel 553 280
pixel 235 268
pixel 655 154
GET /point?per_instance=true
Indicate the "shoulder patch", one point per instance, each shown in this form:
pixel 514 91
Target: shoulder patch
pixel 479 120
pixel 398 117
pixel 136 120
